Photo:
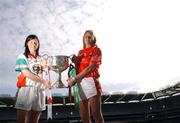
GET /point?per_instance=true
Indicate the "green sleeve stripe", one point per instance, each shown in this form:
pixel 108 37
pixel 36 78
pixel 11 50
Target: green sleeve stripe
pixel 21 62
pixel 20 69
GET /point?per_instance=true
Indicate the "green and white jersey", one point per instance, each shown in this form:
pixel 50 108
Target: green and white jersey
pixel 32 64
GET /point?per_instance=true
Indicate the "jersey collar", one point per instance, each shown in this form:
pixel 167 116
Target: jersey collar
pixel 34 56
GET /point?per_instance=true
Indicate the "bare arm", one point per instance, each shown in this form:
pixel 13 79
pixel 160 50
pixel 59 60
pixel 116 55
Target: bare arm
pixel 87 70
pixel 32 76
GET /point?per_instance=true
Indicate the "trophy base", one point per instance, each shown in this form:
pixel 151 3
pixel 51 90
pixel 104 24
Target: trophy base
pixel 59 84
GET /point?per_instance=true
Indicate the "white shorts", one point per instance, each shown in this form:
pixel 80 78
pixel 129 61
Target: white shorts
pixel 30 98
pixel 87 88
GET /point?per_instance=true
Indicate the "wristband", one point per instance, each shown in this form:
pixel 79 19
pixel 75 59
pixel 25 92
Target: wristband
pixel 73 78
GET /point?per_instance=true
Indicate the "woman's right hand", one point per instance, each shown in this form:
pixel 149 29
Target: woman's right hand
pixel 47 84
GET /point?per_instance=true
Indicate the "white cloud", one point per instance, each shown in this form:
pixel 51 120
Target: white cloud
pixel 58 24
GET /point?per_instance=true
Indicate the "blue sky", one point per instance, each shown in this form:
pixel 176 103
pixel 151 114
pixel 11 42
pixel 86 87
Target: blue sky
pixel 139 39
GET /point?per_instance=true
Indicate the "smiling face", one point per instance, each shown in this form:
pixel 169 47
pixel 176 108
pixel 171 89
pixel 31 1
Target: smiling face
pixel 88 39
pixel 33 45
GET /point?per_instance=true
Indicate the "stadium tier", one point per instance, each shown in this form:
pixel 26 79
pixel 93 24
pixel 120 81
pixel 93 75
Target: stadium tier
pixel 156 107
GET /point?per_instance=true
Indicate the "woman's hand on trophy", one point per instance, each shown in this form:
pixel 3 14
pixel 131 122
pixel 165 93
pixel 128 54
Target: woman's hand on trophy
pixel 71 81
pixel 47 84
pixel 73 58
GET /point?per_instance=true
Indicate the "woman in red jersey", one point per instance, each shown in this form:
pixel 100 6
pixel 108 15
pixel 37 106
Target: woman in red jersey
pixel 87 64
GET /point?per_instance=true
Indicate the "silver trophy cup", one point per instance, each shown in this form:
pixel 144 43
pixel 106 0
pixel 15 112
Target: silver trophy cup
pixel 59 63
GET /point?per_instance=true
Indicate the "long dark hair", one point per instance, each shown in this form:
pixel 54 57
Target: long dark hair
pixel 31 37
pixel 93 40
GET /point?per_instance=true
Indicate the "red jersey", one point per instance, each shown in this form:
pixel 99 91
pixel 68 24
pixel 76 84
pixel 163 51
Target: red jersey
pixel 88 56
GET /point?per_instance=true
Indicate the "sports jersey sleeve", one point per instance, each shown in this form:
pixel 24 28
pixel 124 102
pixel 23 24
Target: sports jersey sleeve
pixel 96 57
pixel 21 63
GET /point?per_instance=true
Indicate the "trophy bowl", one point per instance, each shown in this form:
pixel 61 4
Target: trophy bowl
pixel 59 63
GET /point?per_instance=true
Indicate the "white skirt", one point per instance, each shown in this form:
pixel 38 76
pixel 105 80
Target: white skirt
pixel 87 88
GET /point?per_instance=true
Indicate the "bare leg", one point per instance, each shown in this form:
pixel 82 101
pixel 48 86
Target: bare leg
pixel 34 116
pixel 95 104
pixel 84 111
pixel 22 116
